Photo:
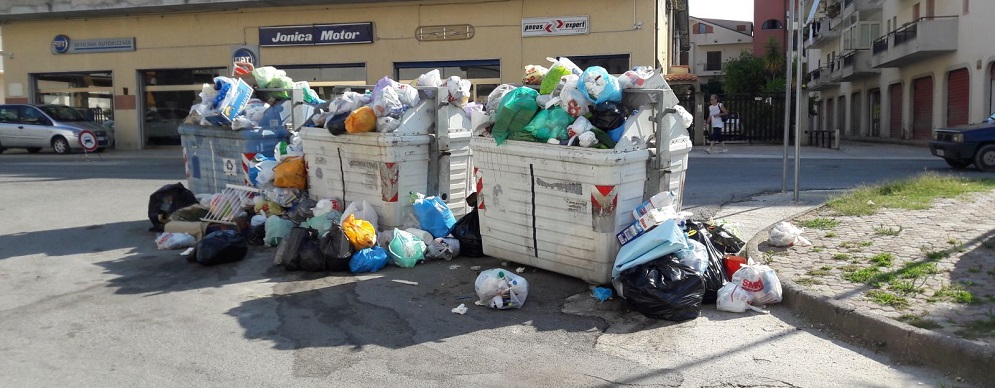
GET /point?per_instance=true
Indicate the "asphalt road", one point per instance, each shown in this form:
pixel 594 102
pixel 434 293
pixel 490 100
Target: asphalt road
pixel 87 300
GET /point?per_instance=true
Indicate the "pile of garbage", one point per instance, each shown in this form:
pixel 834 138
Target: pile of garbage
pixel 381 109
pixel 564 105
pixel 669 266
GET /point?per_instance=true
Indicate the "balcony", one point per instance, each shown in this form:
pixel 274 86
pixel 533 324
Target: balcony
pixel 854 65
pixel 824 30
pixel 819 79
pixel 851 6
pixel 915 41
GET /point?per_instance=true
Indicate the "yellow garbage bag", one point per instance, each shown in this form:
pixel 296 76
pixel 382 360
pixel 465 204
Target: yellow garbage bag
pixel 361 120
pixel 361 233
pixel 291 173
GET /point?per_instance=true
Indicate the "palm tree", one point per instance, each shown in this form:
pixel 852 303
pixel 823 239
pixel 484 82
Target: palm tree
pixel 773 59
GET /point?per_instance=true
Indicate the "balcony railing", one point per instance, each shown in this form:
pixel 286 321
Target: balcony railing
pixel 915 41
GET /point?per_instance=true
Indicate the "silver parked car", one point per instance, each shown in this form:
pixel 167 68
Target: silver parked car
pixel 39 126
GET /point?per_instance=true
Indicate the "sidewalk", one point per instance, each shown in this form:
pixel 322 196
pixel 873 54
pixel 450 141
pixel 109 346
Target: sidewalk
pixel 954 242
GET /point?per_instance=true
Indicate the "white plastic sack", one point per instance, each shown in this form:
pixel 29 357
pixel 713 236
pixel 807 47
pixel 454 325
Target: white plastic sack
pixel 500 289
pixel 635 78
pixel 459 90
pixel 587 139
pixel 686 116
pixel 408 95
pixel 432 78
pixel 363 211
pixel 174 241
pixel 734 299
pixel 494 99
pixel 761 282
pixel 241 122
pixel 442 248
pixel 421 234
pixel 387 124
pixel 480 122
pixel 784 234
pixel 572 100
pixel 388 103
pixel 348 102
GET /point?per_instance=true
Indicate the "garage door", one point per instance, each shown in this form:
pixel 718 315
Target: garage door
pixel 895 111
pixel 922 108
pixel 958 97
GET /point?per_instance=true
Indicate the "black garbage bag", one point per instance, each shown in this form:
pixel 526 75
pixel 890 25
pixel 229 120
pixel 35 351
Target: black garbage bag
pixel 165 201
pixel 257 234
pixel 311 257
pixel 336 248
pixel 467 231
pixel 663 289
pixel 223 246
pixel 288 252
pixel 301 211
pixel 336 124
pixel 725 241
pixel 715 275
pixel 608 115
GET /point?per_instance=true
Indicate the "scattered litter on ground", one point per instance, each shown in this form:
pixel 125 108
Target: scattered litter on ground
pixel 461 309
pixel 455 266
pixel 187 252
pixel 408 282
pixel 504 263
pixel 601 293
pixel 475 268
pixel 520 270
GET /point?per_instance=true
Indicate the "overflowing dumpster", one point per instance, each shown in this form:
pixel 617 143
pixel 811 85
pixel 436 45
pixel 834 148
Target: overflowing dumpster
pixel 559 208
pixel 428 153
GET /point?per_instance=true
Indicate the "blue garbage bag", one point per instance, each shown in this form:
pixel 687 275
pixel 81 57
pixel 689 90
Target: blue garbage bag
pixel 433 214
pixel 368 260
pixel 599 86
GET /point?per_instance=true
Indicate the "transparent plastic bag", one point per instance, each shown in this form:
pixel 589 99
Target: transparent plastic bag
pixel 500 289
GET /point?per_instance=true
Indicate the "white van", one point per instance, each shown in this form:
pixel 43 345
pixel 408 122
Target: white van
pixel 40 126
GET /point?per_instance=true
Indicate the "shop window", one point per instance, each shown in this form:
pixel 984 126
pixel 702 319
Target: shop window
pixel 166 98
pixel 772 24
pixel 89 91
pixel 484 74
pixel 615 64
pixel 325 77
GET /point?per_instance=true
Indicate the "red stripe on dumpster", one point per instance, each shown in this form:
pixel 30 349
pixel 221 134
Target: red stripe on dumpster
pixel 388 181
pixel 604 199
pixel 479 176
pixel 246 159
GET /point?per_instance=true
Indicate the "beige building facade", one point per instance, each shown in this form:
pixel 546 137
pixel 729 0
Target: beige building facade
pixel 129 59
pixel 897 69
pixel 715 41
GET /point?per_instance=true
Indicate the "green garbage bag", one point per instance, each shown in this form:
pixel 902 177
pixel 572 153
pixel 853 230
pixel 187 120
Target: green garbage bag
pixel 514 113
pixel 319 223
pixel 550 124
pixel 405 249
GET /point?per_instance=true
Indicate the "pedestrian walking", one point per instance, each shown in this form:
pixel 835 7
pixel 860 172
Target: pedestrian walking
pixel 716 120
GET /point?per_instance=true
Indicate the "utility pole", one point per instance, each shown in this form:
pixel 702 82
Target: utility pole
pixel 787 96
pixel 798 96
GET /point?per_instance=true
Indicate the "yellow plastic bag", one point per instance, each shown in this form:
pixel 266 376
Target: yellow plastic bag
pixel 290 173
pixel 361 233
pixel 361 120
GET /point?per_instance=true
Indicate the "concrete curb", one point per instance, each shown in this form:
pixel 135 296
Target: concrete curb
pixel 902 342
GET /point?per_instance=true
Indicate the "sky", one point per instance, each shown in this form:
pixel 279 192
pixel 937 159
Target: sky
pixel 721 9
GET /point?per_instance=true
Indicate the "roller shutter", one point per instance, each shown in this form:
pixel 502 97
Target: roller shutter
pixel 922 108
pixel 895 111
pixel 958 97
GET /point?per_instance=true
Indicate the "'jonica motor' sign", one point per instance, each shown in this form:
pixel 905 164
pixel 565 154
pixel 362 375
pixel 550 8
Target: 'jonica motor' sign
pixel 316 34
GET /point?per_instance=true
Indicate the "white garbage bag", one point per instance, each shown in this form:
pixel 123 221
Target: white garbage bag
pixel 761 282
pixel 734 299
pixel 784 234
pixel 501 289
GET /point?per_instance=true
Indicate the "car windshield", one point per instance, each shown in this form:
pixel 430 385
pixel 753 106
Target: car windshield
pixel 62 113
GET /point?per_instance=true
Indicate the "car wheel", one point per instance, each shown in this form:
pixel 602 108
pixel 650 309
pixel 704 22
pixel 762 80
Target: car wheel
pixel 985 158
pixel 34 150
pixel 957 164
pixel 60 145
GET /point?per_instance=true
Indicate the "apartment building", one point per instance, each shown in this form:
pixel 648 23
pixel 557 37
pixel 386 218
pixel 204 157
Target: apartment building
pixel 897 69
pixel 714 41
pixel 132 57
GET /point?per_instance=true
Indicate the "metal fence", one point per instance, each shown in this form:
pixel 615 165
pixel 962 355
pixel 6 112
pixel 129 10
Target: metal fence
pixel 754 118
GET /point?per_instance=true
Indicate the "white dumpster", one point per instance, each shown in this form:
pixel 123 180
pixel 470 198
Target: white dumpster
pixel 559 208
pixel 429 153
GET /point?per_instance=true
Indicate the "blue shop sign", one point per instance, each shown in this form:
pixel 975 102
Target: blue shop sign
pixel 62 44
pixel 316 34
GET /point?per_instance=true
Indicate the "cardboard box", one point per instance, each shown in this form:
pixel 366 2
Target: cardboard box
pixel 234 103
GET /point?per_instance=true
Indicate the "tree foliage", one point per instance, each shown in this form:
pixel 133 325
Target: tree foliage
pixel 746 74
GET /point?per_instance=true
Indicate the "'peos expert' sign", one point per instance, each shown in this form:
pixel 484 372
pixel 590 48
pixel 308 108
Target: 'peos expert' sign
pixel 317 34
pixel 61 44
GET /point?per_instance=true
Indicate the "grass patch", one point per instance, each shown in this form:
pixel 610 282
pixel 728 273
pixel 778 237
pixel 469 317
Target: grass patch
pixel 953 293
pixel 979 328
pixel 917 270
pixel 886 298
pixel 830 235
pixel 914 193
pixel 818 249
pixel 882 259
pixel 907 286
pixel 932 255
pixel 808 281
pixel 863 275
pixel 821 271
pixel 989 243
pixel 882 231
pixel 974 270
pixel 819 223
pixel 841 256
pixel 991 272
pixel 920 321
